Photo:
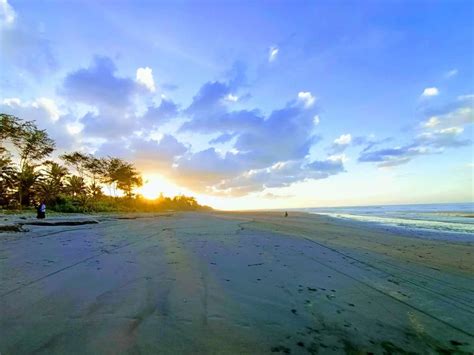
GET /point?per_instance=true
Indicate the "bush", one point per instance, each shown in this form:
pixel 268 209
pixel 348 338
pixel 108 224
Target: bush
pixel 65 204
pixel 83 204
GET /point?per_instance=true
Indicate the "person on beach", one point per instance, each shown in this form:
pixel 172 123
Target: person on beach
pixel 41 210
pixel 286 214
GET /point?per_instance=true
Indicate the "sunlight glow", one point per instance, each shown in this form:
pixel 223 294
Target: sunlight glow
pixel 154 185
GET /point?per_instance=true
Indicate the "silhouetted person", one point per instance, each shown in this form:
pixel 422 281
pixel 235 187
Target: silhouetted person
pixel 286 214
pixel 41 210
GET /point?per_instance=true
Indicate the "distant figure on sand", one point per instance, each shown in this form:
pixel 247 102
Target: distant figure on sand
pixel 286 214
pixel 41 210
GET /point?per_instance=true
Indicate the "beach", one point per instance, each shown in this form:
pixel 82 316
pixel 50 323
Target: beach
pixel 230 283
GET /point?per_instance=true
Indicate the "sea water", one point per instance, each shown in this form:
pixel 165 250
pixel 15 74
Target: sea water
pixel 444 218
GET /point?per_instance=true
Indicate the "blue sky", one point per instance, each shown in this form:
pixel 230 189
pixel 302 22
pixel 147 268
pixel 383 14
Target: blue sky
pixel 255 104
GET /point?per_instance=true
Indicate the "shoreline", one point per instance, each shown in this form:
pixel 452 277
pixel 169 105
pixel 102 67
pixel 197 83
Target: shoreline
pixel 376 238
pixel 405 230
pixel 407 226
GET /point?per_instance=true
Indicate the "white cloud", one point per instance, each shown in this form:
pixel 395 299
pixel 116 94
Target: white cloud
pixel 145 78
pixel 459 117
pixel 440 139
pixel 344 139
pixel 338 158
pixel 451 73
pixel 12 101
pixel 316 120
pixel 452 130
pixel 46 114
pixel 7 14
pixel 272 53
pixel 49 106
pixel 340 144
pixel 430 92
pixel 440 132
pixel 232 98
pixel 307 99
pixel 432 122
pixel 74 127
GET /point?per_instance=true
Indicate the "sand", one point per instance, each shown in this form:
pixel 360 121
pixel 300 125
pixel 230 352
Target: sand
pixel 231 283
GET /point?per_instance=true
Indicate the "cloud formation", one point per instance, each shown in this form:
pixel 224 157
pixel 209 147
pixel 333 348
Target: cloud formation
pixel 260 144
pixel 462 114
pixel 340 144
pixel 110 97
pixel 344 139
pixel 45 112
pixel 98 85
pixel 108 123
pixel 156 116
pixel 306 98
pixel 147 153
pixel 145 77
pixel 272 53
pixel 261 150
pixel 439 133
pixel 232 181
pixel 430 92
pixel 7 14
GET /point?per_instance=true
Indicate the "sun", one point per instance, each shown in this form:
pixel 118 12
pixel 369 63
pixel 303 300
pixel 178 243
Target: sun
pixel 154 185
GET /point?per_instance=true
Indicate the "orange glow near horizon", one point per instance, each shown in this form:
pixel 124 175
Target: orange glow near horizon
pixel 154 185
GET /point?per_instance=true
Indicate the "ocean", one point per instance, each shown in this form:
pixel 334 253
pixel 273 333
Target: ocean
pixel 440 218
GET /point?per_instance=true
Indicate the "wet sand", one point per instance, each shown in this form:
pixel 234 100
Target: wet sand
pixel 231 283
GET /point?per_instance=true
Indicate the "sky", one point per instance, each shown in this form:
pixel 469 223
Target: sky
pixel 254 104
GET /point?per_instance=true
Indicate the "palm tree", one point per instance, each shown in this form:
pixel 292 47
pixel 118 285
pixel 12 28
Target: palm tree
pixel 77 160
pixel 8 178
pixel 111 176
pixel 31 144
pixel 95 190
pixel 128 179
pixel 53 182
pixel 122 175
pixel 97 172
pixel 76 186
pixel 27 178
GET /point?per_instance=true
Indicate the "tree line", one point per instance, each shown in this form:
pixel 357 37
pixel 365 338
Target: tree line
pixel 76 184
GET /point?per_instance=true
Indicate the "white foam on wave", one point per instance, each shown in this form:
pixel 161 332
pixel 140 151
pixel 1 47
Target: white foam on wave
pixel 441 226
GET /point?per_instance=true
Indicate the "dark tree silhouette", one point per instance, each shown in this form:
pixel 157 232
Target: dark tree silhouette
pixel 25 177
